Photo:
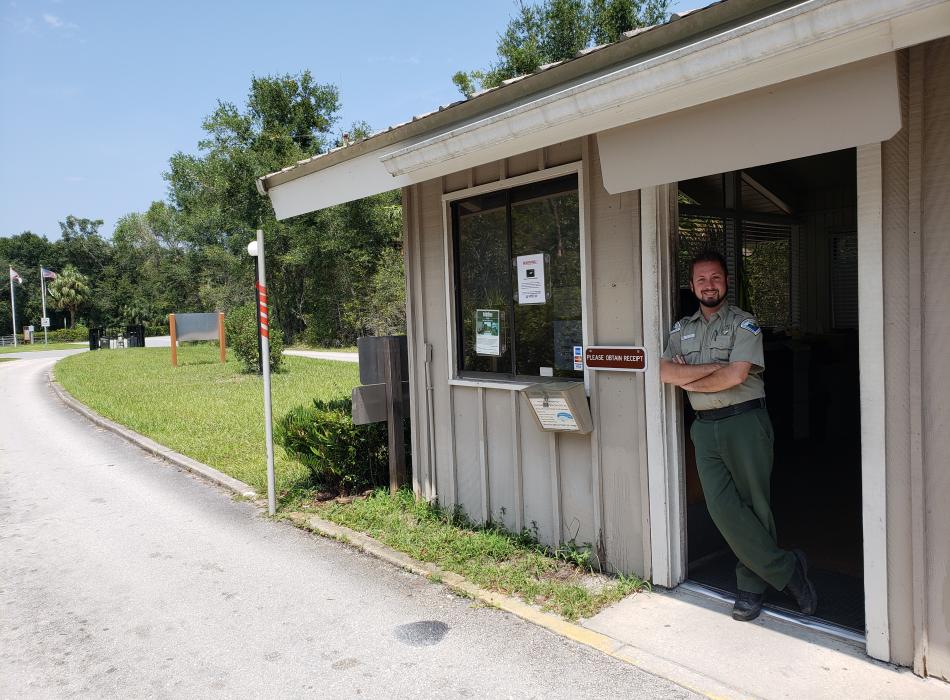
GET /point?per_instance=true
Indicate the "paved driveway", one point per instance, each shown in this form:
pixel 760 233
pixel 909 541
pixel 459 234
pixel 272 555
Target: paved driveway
pixel 122 576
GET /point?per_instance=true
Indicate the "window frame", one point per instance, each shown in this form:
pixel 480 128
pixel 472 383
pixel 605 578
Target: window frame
pixel 456 377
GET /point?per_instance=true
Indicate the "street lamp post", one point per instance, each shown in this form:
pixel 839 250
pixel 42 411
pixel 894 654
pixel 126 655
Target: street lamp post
pixel 256 249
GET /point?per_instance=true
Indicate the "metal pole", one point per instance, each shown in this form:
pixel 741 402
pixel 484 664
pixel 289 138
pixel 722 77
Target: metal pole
pixel 265 352
pixel 13 306
pixel 43 288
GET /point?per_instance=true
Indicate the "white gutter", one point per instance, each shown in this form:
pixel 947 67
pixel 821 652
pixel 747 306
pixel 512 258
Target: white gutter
pixel 804 39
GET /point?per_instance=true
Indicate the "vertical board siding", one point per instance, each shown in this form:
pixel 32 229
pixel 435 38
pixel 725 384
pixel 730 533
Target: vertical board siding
pixel 433 281
pixel 490 457
pixel 616 287
pixel 501 436
pixel 577 500
pixel 897 370
pixel 935 250
pixel 536 478
pixel 467 407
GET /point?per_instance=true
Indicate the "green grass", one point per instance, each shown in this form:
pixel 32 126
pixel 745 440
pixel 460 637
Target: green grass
pixel 204 409
pixel 487 556
pixel 9 359
pixel 38 347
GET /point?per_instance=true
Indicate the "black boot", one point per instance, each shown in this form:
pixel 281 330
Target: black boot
pixel 800 586
pixel 748 606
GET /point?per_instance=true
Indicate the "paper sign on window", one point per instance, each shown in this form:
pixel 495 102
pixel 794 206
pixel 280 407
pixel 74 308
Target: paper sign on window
pixel 531 279
pixel 488 332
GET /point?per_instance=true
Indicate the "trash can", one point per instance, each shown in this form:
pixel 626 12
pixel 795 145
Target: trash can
pixel 136 336
pixel 94 336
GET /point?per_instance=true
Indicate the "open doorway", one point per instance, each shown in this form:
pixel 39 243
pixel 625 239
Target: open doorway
pixel 789 232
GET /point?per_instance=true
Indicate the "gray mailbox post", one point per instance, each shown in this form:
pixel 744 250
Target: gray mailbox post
pixel 559 407
pixel 384 396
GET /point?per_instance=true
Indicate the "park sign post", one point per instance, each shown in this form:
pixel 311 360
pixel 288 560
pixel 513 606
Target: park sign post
pixel 256 249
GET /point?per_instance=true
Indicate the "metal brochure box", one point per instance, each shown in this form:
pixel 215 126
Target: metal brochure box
pixel 559 407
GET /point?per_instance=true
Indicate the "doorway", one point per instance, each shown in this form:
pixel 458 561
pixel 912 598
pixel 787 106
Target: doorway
pixel 789 233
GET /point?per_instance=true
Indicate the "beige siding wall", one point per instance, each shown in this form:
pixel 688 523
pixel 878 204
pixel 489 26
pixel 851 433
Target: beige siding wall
pixel 916 174
pixel 617 398
pixel 935 340
pixel 487 455
pixel 897 329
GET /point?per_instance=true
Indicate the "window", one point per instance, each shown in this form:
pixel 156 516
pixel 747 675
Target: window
pixel 518 280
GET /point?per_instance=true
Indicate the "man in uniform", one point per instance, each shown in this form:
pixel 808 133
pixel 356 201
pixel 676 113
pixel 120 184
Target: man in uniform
pixel 716 356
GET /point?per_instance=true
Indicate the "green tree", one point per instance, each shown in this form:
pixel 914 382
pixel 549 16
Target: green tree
pixel 557 30
pixel 69 291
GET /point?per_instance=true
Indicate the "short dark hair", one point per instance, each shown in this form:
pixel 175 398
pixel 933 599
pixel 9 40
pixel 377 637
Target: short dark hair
pixel 709 255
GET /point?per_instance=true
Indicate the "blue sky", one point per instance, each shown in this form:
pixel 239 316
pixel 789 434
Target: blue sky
pixel 97 95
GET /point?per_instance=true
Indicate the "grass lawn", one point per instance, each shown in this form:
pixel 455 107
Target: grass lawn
pixel 39 347
pixel 208 411
pixel 489 557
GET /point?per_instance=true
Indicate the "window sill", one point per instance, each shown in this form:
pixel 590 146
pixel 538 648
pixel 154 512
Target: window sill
pixel 506 384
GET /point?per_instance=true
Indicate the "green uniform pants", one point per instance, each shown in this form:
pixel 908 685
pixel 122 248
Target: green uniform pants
pixel 734 460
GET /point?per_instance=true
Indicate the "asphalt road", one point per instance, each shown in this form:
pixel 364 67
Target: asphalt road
pixel 122 576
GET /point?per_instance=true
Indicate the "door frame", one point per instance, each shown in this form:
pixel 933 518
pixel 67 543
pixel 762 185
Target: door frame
pixel 665 447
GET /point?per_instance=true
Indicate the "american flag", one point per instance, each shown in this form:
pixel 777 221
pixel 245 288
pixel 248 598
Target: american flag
pixel 15 276
pixel 47 274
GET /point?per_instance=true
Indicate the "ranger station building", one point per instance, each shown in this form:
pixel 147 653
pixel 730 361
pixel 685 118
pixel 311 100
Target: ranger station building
pixel 809 142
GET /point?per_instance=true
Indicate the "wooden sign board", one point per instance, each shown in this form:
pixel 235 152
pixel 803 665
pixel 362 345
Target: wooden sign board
pixel 618 358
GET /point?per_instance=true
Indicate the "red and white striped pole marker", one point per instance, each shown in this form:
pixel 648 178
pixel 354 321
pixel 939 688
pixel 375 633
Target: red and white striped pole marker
pixel 257 249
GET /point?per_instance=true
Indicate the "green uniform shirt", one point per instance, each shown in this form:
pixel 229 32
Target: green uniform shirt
pixel 730 335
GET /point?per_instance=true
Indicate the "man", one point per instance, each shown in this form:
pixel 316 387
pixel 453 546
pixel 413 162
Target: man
pixel 716 356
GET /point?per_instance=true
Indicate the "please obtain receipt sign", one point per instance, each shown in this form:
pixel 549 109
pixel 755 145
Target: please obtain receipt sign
pixel 616 358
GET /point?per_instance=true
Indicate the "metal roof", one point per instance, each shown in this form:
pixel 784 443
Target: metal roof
pixel 680 28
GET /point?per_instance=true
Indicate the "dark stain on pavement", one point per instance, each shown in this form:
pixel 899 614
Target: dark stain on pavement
pixel 425 633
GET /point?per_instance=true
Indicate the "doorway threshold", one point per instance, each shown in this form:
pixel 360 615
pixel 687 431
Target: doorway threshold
pixel 811 623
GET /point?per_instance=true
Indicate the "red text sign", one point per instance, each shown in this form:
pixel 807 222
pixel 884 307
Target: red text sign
pixel 618 359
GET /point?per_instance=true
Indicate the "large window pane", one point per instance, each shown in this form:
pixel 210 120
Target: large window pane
pixel 484 277
pixel 548 224
pixel 491 231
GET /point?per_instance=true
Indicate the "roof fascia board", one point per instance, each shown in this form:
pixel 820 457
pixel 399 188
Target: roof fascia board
pixel 697 23
pixel 812 36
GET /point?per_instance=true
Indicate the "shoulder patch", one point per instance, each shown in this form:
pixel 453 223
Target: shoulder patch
pixel 751 326
pixel 678 326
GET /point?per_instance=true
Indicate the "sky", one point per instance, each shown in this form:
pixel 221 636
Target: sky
pixel 96 96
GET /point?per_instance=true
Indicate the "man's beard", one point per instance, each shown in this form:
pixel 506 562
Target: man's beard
pixel 717 302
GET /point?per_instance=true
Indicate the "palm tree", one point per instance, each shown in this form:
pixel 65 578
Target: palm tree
pixel 69 291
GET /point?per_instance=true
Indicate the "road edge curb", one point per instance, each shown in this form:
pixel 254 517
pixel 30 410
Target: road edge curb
pixel 148 445
pixel 634 656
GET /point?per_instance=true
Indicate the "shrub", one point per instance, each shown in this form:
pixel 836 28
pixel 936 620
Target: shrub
pixel 77 333
pixel 241 334
pixel 341 456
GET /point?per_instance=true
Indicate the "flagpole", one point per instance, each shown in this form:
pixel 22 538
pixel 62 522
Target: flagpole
pixel 13 306
pixel 43 288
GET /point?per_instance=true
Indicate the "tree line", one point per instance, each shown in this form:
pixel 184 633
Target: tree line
pixel 333 275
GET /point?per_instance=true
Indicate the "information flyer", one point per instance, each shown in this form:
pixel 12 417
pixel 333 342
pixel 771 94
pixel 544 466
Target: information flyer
pixel 531 279
pixel 488 332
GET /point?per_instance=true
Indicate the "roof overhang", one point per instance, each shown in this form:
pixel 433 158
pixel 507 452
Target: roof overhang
pixel 788 43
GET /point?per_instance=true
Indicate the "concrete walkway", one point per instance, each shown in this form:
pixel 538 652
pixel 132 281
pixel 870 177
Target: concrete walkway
pixel 325 355
pixel 681 632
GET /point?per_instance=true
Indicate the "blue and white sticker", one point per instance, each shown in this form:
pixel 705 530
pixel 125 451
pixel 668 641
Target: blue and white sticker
pixel 676 327
pixel 750 326
pixel 578 358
